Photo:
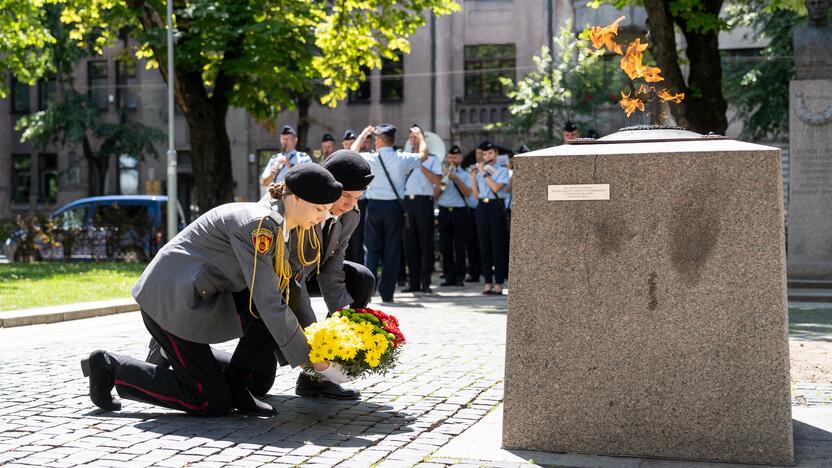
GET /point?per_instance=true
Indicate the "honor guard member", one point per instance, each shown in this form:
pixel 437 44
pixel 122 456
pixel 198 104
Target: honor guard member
pixel 489 182
pixel 342 283
pixel 349 137
pixel 454 219
pixel 418 203
pixel 225 276
pixel 570 131
pixel 473 247
pixel 385 214
pixel 327 146
pixel 355 251
pixel 275 170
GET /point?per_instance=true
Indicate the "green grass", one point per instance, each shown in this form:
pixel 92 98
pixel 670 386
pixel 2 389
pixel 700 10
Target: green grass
pixel 23 286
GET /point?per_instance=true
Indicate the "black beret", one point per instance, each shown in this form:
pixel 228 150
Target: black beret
pixel 485 146
pixel 454 150
pixel 349 135
pixel 350 169
pixel 569 126
pixel 386 129
pixel 327 137
pixel 313 183
pixel 592 133
pixel 288 130
pixel 523 149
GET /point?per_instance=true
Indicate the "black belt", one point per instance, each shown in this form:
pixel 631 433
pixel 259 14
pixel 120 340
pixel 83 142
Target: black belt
pixel 451 209
pixel 487 200
pixel 419 197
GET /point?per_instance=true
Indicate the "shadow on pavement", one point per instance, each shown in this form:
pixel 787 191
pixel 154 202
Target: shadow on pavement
pixel 299 421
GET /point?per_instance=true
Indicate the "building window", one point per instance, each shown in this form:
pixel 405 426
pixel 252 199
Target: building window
pixel 392 79
pixel 20 98
pixel 47 92
pixel 484 65
pixel 21 178
pixel 97 83
pixel 126 85
pixel 48 178
pixel 128 175
pixel 362 94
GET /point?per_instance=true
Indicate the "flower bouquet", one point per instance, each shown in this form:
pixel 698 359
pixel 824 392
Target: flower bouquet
pixel 361 341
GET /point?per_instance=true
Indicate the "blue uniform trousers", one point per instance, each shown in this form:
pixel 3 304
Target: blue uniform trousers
pixel 383 240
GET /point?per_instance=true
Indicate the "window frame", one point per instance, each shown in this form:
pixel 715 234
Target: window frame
pixel 45 172
pixel 388 79
pixel 95 90
pixel 480 69
pixel 21 173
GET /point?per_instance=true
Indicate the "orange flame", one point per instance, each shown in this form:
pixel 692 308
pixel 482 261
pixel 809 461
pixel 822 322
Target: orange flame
pixel 632 62
pixel 605 36
pixel 630 104
pixel 665 95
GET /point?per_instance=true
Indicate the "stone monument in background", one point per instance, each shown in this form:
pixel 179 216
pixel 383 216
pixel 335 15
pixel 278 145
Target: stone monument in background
pixel 810 148
pixel 648 312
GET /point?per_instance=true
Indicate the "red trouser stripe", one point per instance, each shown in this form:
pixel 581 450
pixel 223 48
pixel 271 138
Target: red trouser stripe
pixel 176 350
pixel 189 406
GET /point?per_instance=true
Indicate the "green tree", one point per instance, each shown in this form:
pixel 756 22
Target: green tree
pixel 759 91
pixel 573 86
pixel 259 56
pixel 23 38
pixel 69 119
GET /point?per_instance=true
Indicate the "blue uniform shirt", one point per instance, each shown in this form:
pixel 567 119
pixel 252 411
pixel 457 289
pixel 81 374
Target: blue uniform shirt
pixel 398 166
pixel 500 176
pixel 417 183
pixel 294 157
pixel 450 197
pixel 508 194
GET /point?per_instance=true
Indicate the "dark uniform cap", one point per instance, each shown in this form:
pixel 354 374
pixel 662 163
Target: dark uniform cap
pixel 327 137
pixel 313 183
pixel 350 169
pixel 592 133
pixel 523 149
pixel 349 135
pixel 454 150
pixel 485 146
pixel 288 130
pixel 386 129
pixel 569 126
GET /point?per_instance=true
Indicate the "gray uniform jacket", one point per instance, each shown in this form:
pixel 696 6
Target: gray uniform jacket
pixel 331 277
pixel 187 288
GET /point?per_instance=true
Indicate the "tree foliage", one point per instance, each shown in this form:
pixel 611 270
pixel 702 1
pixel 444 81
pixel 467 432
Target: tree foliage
pixel 571 87
pixel 259 56
pixel 758 88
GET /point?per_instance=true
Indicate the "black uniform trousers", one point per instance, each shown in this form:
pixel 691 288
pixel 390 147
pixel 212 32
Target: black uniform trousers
pixel 473 245
pixel 196 381
pixel 383 240
pixel 355 249
pixel 419 240
pixel 492 231
pixel 454 229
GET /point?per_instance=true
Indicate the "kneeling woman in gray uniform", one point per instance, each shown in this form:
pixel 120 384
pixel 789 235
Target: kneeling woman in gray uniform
pixel 224 276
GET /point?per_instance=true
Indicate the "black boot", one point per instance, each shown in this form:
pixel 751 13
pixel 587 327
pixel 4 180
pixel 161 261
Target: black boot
pixel 98 368
pixel 241 397
pixel 311 388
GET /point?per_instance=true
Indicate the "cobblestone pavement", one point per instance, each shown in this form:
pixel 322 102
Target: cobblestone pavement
pixel 449 378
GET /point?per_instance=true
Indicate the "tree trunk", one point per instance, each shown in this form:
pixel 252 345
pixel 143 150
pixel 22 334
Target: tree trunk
pixel 704 107
pixel 96 170
pixel 205 117
pixel 210 146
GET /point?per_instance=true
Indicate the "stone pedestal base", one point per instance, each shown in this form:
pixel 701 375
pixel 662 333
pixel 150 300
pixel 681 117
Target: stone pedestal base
pixel 654 323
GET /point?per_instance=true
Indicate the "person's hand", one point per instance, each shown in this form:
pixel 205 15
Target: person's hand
pixel 481 168
pixel 473 175
pixel 334 373
pixel 278 164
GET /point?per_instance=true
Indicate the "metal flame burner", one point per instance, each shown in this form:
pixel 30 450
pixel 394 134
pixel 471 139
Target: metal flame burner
pixel 647 134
